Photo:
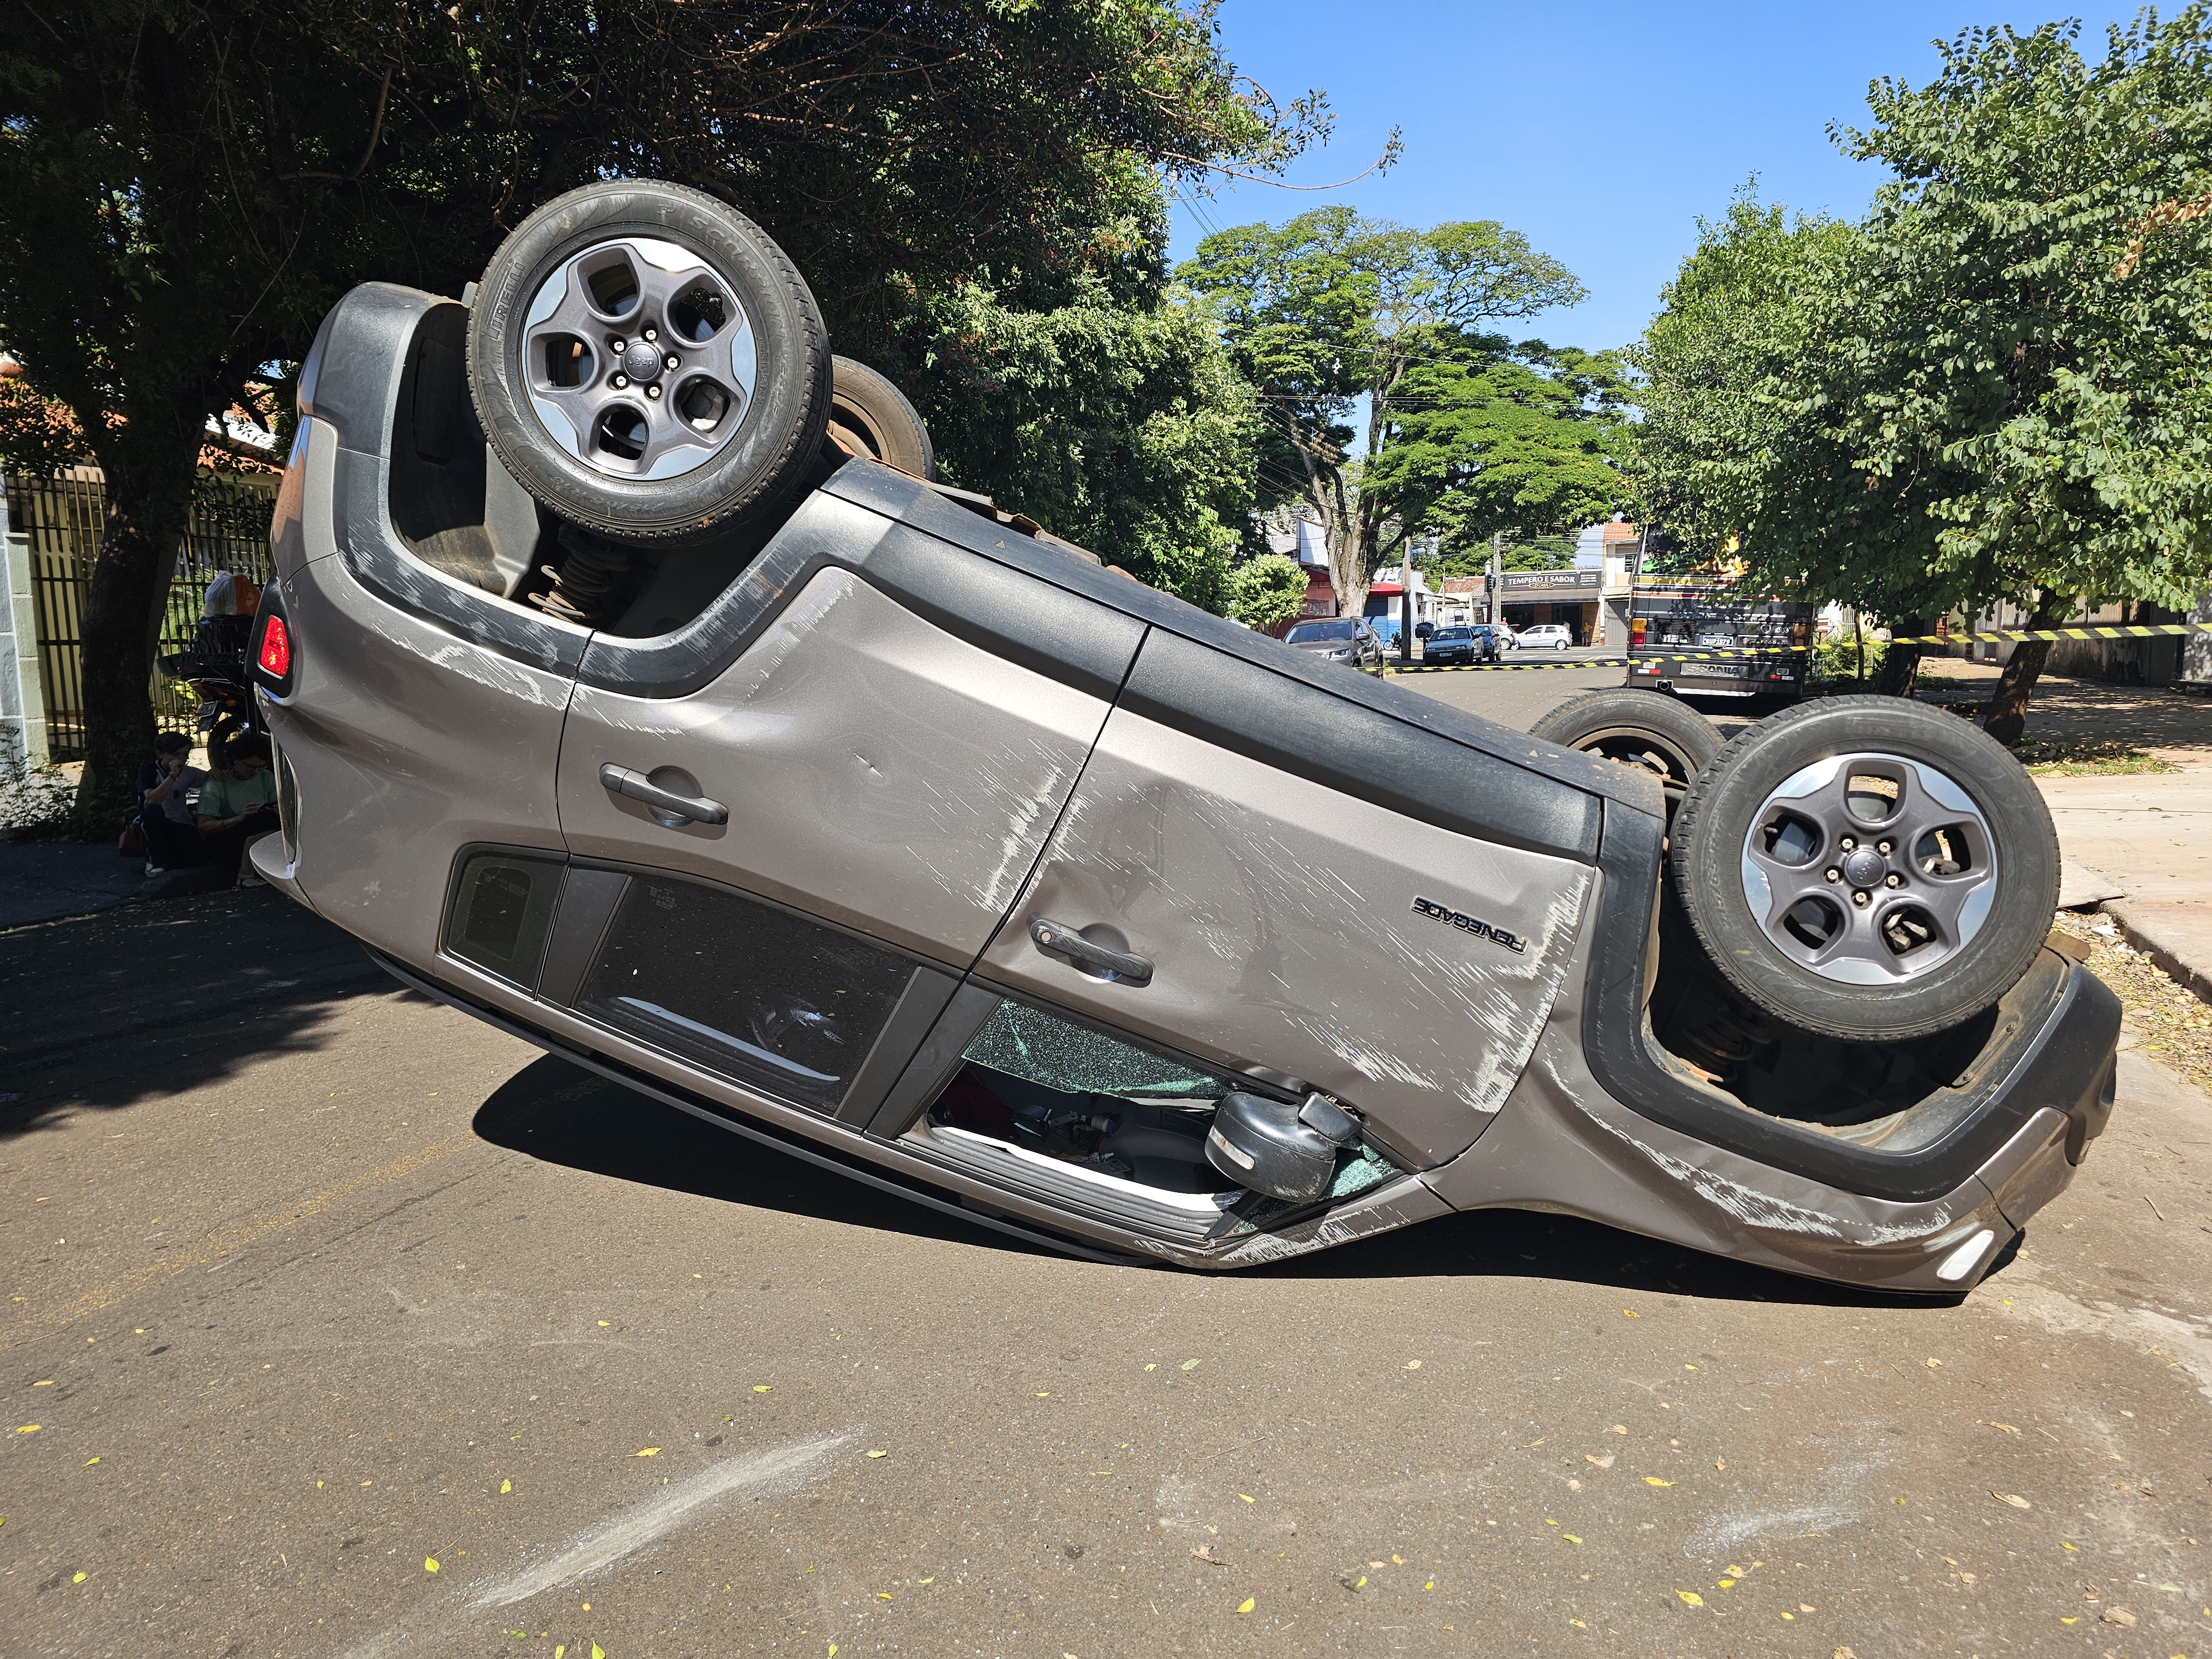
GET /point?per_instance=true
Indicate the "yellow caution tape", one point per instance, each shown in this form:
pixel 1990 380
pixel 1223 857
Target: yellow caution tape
pixel 2116 631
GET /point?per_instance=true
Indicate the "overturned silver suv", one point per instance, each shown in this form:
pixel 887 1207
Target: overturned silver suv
pixel 636 688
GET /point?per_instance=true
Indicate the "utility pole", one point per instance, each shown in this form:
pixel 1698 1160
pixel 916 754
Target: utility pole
pixel 1491 581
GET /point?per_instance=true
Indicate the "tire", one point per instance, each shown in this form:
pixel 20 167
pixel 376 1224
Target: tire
pixel 1560 646
pixel 1945 868
pixel 627 447
pixel 1637 728
pixel 868 414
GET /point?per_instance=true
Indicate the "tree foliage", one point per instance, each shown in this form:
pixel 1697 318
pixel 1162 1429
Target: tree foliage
pixel 1331 309
pixel 1267 591
pixel 1116 417
pixel 185 188
pixel 1488 437
pixel 1993 387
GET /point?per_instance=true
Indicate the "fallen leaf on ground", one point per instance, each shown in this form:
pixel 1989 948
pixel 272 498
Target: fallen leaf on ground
pixel 762 1387
pixel 1154 1366
pixel 2007 1427
pixel 1399 1559
pixel 650 1452
pixel 89 1461
pixel 30 1428
pixel 880 1454
pixel 429 1564
pixel 1654 1480
pixel 1205 1553
pixel 1604 1462
pixel 506 1486
pixel 1431 1585
pixel 1412 1365
pixel 1248 1500
pixel 1721 1463
pixel 1620 1428
pixel 2124 1617
pixel 1935 1364
pixel 1190 1364
pixel 2013 1499
pixel 81 1576
pixel 1249 1602
pixel 1692 1597
pixel 1630 1313
pixel 1570 1538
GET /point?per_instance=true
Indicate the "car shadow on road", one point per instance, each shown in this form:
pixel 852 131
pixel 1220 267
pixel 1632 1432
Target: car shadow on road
pixel 557 1111
pixel 154 1000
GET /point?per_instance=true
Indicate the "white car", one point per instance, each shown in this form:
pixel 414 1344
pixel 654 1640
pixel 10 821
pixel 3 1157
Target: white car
pixel 1555 636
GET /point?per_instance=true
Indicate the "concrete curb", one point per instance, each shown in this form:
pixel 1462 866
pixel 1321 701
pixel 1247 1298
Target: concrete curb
pixel 2146 936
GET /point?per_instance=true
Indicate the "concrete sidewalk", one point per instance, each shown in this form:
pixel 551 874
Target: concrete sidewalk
pixel 2150 838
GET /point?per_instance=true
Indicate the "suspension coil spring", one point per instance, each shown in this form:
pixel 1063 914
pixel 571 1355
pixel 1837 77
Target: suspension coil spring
pixel 586 581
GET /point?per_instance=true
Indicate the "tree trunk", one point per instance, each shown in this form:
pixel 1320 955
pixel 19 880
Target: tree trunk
pixel 147 505
pixel 2006 717
pixel 1901 663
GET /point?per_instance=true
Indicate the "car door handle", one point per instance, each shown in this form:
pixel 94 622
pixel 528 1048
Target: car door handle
pixel 622 781
pixel 1053 940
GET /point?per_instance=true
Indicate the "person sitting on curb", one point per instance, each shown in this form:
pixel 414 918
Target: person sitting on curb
pixel 237 804
pixel 165 818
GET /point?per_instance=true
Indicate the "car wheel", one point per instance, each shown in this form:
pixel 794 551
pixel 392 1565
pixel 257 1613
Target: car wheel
pixel 646 362
pixel 872 417
pixel 1637 728
pixel 1559 645
pixel 1867 868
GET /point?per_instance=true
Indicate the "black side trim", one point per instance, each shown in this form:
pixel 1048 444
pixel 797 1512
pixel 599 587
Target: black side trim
pixel 1312 733
pixel 723 1117
pixel 1000 609
pixel 918 1007
pixel 589 898
pixel 376 558
pixel 2057 1059
pixel 368 345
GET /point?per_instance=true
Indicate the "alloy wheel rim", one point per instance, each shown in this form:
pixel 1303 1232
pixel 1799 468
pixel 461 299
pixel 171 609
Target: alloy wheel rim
pixel 641 361
pixel 1869 869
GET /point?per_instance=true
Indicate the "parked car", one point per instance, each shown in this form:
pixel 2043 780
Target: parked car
pixel 1461 644
pixel 621 703
pixel 1547 636
pixel 1348 639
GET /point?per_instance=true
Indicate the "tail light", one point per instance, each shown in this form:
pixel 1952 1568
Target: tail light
pixel 275 657
pixel 1637 629
pixel 275 653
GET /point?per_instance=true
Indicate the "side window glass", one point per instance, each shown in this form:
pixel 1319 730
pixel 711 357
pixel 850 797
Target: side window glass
pixel 502 906
pixel 1033 1079
pixel 754 994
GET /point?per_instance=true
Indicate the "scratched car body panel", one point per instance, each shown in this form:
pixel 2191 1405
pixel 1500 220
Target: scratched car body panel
pixel 927 848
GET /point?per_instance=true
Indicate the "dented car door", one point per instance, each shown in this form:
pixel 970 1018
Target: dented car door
pixel 1269 916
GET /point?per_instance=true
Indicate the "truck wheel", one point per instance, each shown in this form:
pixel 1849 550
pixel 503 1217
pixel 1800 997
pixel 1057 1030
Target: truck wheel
pixel 646 362
pixel 1637 728
pixel 872 417
pixel 1867 868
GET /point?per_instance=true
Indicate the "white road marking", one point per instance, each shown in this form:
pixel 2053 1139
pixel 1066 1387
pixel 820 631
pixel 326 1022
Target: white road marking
pixel 605 1544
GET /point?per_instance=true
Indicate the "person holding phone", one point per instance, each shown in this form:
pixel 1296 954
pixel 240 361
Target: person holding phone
pixel 237 804
pixel 165 812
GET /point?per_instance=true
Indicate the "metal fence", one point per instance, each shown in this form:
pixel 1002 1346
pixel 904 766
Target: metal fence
pixel 61 518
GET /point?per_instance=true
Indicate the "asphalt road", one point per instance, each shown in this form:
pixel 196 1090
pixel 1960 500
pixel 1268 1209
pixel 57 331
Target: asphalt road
pixel 314 1284
pixel 1518 695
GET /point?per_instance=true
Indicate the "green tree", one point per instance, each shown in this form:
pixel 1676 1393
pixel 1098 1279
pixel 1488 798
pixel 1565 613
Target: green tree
pixel 1490 438
pixel 1114 417
pixel 1331 309
pixel 1993 387
pixel 185 188
pixel 1267 591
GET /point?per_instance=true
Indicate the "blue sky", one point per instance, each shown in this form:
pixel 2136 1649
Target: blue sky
pixel 1601 131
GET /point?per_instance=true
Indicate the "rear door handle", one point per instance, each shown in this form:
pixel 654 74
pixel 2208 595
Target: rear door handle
pixel 1054 939
pixel 622 781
